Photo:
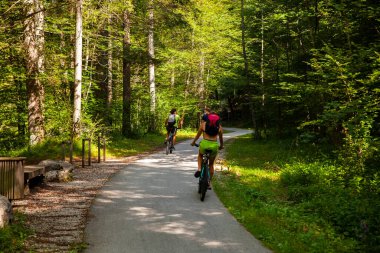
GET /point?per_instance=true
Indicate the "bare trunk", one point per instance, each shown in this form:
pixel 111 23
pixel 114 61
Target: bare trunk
pixel 87 57
pixel 172 79
pixel 152 85
pixel 34 45
pixel 262 73
pixel 78 69
pixel 187 84
pixel 201 87
pixel 246 67
pixel 243 42
pixel 109 75
pixel 126 126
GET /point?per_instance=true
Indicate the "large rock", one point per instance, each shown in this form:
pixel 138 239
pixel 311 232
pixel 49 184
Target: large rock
pixel 57 170
pixel 6 213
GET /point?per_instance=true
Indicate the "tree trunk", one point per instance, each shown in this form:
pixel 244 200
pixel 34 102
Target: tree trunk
pixel 172 78
pixel 78 69
pixel 20 108
pixel 246 67
pixel 126 125
pixel 243 42
pixel 201 87
pixel 109 75
pixel 263 98
pixel 152 85
pixel 34 45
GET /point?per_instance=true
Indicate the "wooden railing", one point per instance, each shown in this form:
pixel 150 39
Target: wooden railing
pixel 12 177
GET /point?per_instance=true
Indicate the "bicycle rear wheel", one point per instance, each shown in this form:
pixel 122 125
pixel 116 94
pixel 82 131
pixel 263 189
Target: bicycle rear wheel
pixel 168 143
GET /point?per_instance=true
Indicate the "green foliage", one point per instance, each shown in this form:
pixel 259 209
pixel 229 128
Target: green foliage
pixel 296 201
pixel 77 248
pixel 13 235
pixel 297 174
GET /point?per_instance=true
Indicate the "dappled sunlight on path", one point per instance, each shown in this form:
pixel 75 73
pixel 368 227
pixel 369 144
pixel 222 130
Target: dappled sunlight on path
pixel 152 205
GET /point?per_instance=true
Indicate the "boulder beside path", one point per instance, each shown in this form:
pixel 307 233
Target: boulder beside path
pixel 57 171
pixel 6 213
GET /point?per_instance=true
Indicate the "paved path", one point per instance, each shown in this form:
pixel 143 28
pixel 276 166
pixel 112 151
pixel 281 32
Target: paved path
pixel 152 206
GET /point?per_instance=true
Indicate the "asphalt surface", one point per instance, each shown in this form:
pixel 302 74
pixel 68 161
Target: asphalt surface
pixel 152 206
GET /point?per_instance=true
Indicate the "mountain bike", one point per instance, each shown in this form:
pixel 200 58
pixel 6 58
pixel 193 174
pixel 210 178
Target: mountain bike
pixel 169 143
pixel 204 178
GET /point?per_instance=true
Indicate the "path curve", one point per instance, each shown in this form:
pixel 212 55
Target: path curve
pixel 152 206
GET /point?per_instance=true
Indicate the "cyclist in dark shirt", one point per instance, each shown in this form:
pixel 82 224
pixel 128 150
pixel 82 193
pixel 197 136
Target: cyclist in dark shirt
pixel 208 142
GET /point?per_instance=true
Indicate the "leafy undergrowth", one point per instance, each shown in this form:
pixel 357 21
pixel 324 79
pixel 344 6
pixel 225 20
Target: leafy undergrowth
pixel 116 146
pixel 288 198
pixel 13 235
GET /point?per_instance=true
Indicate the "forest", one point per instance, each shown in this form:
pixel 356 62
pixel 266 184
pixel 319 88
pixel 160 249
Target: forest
pixel 307 70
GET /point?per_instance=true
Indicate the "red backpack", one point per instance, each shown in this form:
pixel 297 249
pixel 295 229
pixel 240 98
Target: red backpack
pixel 212 124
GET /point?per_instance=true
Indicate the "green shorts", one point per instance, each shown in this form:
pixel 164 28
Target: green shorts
pixel 206 144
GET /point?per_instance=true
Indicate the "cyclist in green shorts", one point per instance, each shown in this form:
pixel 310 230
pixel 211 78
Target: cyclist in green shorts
pixel 211 128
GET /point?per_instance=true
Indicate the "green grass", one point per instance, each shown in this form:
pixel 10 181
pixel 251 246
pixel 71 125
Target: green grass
pixel 13 235
pixel 119 146
pixel 116 146
pixel 255 193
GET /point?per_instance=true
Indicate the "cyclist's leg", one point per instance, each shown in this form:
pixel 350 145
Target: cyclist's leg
pixel 172 132
pixel 198 171
pixel 211 166
pixel 214 147
pixel 174 135
pixel 167 133
pixel 200 158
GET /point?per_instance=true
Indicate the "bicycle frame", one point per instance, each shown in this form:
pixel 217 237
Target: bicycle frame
pixel 205 177
pixel 169 143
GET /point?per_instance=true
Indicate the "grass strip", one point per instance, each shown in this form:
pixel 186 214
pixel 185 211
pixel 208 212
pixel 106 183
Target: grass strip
pixel 252 191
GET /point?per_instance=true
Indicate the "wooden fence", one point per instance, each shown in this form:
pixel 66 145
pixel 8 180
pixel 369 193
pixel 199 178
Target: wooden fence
pixel 12 177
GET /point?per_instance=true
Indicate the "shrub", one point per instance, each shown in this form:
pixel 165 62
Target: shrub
pixel 300 174
pixel 12 236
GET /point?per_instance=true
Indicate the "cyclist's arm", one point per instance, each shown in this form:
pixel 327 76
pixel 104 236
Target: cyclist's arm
pixel 221 137
pixel 200 130
pixel 180 123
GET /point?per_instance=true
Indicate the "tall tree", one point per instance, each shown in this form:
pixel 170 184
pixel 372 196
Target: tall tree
pixel 78 68
pixel 152 84
pixel 246 66
pixel 126 125
pixel 109 71
pixel 34 46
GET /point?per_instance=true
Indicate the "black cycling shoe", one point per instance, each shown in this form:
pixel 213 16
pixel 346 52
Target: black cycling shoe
pixel 197 174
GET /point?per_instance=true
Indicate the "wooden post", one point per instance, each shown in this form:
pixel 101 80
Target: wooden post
pixel 83 142
pixel 101 143
pixel 104 149
pixel 84 151
pixel 71 150
pixel 64 145
pixel 99 149
pixel 89 152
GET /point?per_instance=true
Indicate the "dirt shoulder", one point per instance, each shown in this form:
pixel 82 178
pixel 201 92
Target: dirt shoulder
pixel 57 211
